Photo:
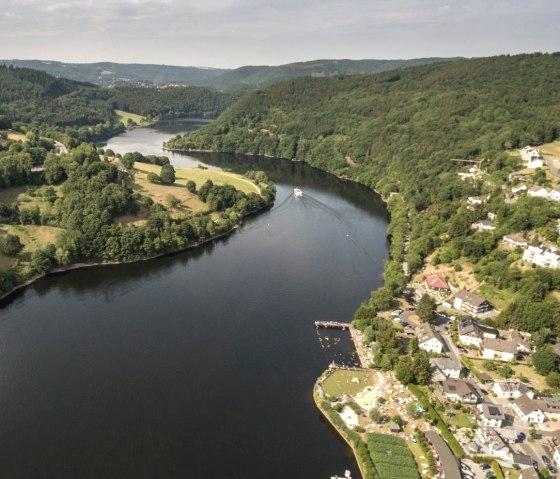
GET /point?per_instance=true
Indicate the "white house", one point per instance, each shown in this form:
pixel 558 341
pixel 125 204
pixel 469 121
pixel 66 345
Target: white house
pixel 544 257
pixel 519 188
pixel 498 349
pixel 532 157
pixel 554 194
pixel 521 342
pixel 556 455
pixel 515 240
pixel 443 368
pixel 491 442
pixel 538 191
pixel 512 390
pixel 484 225
pixel 472 334
pixel 470 303
pixel 528 410
pixel 491 415
pixel 428 339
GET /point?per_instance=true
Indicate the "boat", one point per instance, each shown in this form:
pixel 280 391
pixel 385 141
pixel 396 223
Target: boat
pixel 346 476
pixel 298 192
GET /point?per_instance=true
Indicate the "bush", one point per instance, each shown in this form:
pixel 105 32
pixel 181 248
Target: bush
pixel 10 245
pixel 153 178
pixel 191 186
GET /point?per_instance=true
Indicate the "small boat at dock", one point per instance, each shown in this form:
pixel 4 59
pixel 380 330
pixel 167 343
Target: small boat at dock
pixel 298 193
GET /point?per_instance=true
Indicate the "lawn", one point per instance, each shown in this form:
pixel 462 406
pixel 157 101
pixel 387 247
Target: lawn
pixel 536 380
pixel 460 419
pixel 341 382
pixel 124 116
pixel 552 149
pixel 499 298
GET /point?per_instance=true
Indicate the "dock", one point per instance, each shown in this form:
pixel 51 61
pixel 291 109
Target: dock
pixel 332 325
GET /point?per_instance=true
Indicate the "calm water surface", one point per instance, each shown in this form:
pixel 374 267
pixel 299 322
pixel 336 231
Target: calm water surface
pixel 200 364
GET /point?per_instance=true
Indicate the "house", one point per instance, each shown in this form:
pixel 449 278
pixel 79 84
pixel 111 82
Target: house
pixel 521 342
pixel 508 434
pixel 428 339
pixel 472 334
pixel 531 157
pixel 460 390
pixel 435 282
pixel 515 240
pixel 474 200
pixel 491 442
pixel 541 256
pixel 470 303
pixel 484 225
pixel 556 455
pixel 498 349
pixel 550 406
pixel 512 390
pixel 554 194
pixel 491 415
pixel 524 462
pixel 519 188
pixel 528 410
pixel 538 191
pixel 443 368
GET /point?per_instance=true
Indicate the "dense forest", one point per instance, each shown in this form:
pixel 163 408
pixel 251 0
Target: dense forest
pixel 171 102
pixel 398 132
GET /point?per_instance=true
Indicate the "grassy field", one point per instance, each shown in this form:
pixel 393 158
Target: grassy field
pixel 15 135
pixel 536 380
pixel 552 149
pixel 340 382
pixel 124 116
pixel 499 298
pixel 460 419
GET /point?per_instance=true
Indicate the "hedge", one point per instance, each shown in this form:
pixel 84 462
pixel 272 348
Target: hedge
pixel 439 422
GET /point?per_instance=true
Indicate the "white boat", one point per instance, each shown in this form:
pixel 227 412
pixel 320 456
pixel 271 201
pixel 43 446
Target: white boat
pixel 346 476
pixel 298 192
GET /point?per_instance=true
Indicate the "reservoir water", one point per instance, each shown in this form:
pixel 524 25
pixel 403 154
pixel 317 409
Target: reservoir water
pixel 200 364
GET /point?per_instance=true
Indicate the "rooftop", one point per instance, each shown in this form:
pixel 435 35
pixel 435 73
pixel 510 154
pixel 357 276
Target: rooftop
pixel 500 345
pixel 470 298
pixel 525 404
pixel 493 411
pixel 458 386
pixel 435 281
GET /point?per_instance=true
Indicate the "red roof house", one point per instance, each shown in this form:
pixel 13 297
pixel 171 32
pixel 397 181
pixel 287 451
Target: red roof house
pixel 437 283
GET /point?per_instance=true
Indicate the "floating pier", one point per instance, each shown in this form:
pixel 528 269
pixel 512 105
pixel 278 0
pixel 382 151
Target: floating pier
pixel 332 325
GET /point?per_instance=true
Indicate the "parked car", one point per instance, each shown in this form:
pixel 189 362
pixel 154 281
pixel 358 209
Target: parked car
pixel 485 467
pixel 521 436
pixel 546 460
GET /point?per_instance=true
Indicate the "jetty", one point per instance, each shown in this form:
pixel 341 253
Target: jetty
pixel 332 325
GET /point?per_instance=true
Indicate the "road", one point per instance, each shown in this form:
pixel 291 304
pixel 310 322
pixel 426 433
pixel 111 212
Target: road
pixel 550 163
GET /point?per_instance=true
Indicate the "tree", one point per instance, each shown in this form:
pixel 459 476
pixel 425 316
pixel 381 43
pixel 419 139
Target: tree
pixel 172 201
pixel 375 415
pixel 191 186
pixel 411 409
pixel 153 178
pixel 167 175
pixel 545 360
pixel 381 299
pixel 426 309
pixel 421 368
pixel 10 245
pixel 404 371
pixel 553 379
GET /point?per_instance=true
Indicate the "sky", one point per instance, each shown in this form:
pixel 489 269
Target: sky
pixel 232 33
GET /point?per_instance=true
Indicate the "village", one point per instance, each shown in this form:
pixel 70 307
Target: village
pixel 486 413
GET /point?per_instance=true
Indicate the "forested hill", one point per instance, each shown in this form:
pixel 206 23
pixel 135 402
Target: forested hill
pixel 254 77
pixel 246 78
pixel 35 97
pixel 41 100
pixel 398 130
pixel 108 73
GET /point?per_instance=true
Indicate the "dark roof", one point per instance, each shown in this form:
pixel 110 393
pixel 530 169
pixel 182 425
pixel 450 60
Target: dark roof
pixel 493 411
pixel 522 459
pixel 449 462
pixel 470 298
pixel 458 386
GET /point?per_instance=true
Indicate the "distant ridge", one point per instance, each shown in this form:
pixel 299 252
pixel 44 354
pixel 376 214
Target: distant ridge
pixel 245 78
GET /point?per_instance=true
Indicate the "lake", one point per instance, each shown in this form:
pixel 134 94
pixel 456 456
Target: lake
pixel 198 364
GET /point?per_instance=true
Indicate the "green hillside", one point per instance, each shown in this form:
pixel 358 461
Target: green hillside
pixel 254 77
pixel 397 131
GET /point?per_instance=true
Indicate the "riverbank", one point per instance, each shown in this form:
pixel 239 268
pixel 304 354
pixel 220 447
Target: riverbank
pixel 77 266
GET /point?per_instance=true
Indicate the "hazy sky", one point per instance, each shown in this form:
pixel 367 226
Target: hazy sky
pixel 231 33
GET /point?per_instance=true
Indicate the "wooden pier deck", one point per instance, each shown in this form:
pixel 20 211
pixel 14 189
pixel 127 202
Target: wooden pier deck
pixel 332 324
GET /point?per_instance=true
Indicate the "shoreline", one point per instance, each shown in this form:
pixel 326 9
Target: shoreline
pixel 77 266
